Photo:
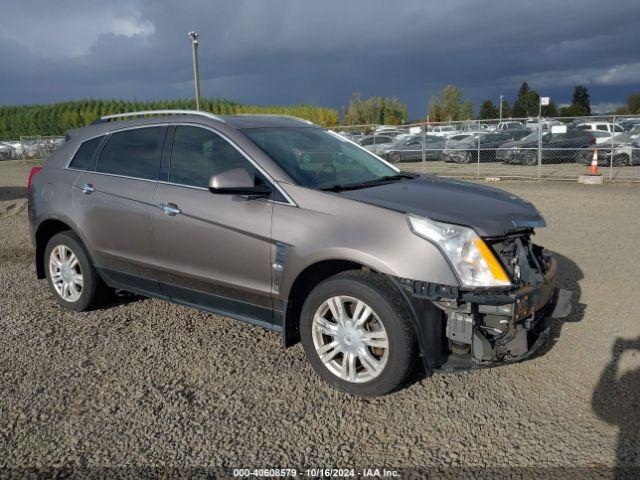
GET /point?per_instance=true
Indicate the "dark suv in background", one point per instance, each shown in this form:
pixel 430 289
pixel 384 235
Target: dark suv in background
pixel 277 222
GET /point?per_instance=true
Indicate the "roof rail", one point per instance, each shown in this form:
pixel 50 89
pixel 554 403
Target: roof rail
pixel 272 115
pixel 106 118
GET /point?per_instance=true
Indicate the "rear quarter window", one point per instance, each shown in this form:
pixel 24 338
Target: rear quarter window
pixel 133 153
pixel 85 159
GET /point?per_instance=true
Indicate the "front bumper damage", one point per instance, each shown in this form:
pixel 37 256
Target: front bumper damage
pixel 489 328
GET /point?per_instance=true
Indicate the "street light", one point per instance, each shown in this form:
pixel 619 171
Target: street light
pixel 501 107
pixel 196 74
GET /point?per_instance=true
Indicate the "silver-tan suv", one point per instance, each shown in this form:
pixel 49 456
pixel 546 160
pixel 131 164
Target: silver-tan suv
pixel 277 222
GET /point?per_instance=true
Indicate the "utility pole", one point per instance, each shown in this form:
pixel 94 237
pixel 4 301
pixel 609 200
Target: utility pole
pixel 196 73
pixel 501 107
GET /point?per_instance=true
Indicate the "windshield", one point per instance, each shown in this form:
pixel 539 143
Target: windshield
pixel 316 158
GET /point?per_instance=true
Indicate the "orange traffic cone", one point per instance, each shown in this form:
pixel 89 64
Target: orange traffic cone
pixel 593 169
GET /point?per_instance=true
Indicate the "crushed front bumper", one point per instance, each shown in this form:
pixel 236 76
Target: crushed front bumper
pixel 490 328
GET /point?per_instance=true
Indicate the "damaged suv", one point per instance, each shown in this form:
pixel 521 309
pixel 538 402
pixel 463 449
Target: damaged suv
pixel 279 223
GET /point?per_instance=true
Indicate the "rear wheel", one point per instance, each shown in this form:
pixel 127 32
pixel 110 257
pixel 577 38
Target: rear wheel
pixel 467 158
pixel 621 160
pixel 72 278
pixel 531 159
pixel 356 333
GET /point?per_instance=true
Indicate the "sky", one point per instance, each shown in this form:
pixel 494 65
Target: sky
pixel 319 52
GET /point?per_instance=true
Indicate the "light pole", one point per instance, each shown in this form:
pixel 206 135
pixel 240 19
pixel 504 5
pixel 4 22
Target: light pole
pixel 196 73
pixel 501 107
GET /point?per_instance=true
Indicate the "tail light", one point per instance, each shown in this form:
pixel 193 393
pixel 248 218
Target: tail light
pixel 32 174
pixel 593 139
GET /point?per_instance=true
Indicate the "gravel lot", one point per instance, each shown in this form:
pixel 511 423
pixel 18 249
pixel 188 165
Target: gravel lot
pixel 148 383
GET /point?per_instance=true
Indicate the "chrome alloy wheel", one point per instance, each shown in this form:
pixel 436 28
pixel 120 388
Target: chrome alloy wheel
pixel 65 272
pixel 350 339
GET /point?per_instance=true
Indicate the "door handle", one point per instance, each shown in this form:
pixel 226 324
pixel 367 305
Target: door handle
pixel 170 209
pixel 87 189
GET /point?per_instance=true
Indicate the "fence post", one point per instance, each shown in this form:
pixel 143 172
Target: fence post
pixel 478 159
pixel 539 147
pixel 613 131
pixel 424 153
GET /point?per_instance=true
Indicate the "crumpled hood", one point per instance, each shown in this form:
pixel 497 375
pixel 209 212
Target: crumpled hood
pixel 491 212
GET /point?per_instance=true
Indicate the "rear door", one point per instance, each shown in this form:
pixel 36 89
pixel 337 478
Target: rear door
pixel 213 249
pixel 115 206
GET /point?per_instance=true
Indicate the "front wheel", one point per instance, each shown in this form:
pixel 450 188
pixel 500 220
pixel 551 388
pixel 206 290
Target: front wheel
pixel 357 335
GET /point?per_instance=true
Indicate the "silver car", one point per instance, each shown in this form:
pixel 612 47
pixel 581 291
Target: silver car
pixel 274 221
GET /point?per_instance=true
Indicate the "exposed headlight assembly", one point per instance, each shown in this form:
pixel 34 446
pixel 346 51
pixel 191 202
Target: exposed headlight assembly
pixel 473 261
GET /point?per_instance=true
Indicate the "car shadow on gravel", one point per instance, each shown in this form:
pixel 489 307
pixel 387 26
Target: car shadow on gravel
pixel 616 400
pixel 12 193
pixel 569 276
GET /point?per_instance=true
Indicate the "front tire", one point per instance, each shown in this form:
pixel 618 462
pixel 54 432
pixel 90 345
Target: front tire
pixel 72 279
pixel 356 332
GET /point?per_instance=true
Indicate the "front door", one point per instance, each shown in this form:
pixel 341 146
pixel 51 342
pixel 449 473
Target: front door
pixel 213 249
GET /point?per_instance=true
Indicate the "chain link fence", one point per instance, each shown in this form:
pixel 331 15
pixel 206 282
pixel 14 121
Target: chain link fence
pixel 559 148
pixel 29 148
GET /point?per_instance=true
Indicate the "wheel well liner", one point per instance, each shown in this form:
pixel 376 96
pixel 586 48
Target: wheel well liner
pixel 45 231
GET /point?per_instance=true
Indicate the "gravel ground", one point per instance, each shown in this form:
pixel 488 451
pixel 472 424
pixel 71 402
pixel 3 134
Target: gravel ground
pixel 148 383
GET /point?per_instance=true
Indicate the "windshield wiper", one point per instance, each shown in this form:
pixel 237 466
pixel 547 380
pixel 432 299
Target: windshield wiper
pixel 369 183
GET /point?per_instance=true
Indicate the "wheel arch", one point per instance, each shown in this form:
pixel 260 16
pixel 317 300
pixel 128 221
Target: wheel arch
pixel 44 231
pixel 305 281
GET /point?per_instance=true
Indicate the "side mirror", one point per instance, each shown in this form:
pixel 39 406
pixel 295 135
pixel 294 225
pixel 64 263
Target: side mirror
pixel 237 181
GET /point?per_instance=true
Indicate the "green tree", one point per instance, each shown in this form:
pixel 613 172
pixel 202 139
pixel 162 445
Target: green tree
pixel 450 105
pixel 488 110
pixel 527 102
pixel 580 103
pixel 581 99
pixel 380 110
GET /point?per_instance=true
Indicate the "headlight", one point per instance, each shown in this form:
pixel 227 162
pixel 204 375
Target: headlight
pixel 472 260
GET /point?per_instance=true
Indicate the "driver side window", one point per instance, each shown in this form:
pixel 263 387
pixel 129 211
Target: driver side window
pixel 198 154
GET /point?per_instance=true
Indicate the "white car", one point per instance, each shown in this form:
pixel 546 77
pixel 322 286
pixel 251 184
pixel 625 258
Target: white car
pixel 601 126
pixel 442 131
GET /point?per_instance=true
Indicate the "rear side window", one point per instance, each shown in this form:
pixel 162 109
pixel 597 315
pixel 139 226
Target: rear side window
pixel 84 158
pixel 198 154
pixel 133 153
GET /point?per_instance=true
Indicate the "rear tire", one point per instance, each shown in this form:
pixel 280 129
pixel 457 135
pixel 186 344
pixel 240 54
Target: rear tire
pixel 72 279
pixel 379 354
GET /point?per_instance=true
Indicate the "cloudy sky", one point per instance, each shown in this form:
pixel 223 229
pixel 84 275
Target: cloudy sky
pixel 318 52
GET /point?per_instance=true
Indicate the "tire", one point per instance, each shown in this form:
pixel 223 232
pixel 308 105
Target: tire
pixel 530 159
pixel 395 157
pixel 467 158
pixel 92 292
pixel 389 314
pixel 621 160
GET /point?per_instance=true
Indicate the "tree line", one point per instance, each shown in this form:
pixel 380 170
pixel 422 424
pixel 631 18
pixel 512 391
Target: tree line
pixel 449 105
pixel 57 118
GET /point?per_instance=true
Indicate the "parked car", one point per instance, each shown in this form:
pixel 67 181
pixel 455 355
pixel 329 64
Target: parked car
pixel 544 124
pixel 467 150
pixel 409 148
pixel 630 123
pixel 374 143
pixel 7 152
pixel 371 268
pixel 601 126
pixel 442 130
pixel 626 150
pixel 510 125
pixel 555 147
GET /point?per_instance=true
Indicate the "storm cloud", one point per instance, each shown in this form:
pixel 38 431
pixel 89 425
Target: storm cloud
pixel 291 51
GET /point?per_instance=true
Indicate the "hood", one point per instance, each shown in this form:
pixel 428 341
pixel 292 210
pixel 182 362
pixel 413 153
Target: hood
pixel 491 212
